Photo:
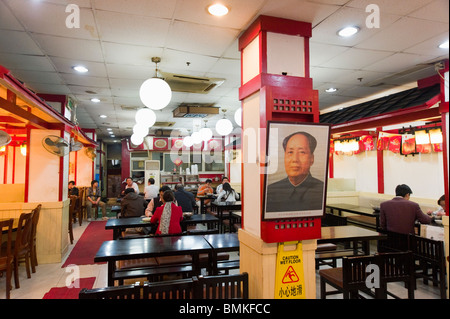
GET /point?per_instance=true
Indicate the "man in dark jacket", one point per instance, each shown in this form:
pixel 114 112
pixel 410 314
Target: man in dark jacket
pixel 400 214
pixel 132 204
pixel 184 199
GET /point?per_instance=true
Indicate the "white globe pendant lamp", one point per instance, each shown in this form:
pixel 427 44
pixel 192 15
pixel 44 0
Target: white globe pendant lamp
pixel 145 117
pixel 238 116
pixel 136 139
pixel 187 141
pixel 224 126
pixel 196 138
pixel 155 93
pixel 140 130
pixel 206 133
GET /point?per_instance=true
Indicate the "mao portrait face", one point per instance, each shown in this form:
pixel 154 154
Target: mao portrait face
pixel 298 158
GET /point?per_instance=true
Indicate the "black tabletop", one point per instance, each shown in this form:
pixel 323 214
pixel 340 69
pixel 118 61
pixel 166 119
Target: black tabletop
pixel 236 203
pixel 128 222
pixel 223 242
pixel 151 247
pixel 200 218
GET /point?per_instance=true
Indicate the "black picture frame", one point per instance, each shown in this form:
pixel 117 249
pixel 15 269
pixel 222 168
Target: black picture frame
pixel 276 188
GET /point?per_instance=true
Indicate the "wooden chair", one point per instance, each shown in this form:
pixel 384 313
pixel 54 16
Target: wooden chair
pixel 395 242
pixel 22 247
pixel 396 267
pixel 120 292
pixel 349 279
pixel 173 289
pixel 36 214
pixel 6 254
pixel 222 287
pixel 430 255
pixel 73 203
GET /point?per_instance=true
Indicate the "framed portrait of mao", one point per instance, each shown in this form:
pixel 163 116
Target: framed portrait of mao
pixel 296 170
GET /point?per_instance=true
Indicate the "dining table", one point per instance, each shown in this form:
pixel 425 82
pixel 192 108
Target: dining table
pixel 350 234
pixel 362 211
pixel 221 243
pixel 119 224
pixel 220 207
pixel 202 199
pixel 112 251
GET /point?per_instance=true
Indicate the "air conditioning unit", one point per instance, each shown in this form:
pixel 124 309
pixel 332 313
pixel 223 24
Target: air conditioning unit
pixel 195 111
pixel 191 84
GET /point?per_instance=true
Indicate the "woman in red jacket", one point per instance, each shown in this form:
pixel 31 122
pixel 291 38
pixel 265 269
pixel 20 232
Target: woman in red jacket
pixel 169 216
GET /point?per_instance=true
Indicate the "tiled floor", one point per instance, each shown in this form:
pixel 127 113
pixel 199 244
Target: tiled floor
pixel 48 276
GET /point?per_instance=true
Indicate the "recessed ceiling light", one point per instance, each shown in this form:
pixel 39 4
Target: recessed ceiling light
pixel 103 116
pixel 331 90
pixel 80 68
pixel 444 45
pixel 109 129
pixel 95 100
pixel 348 31
pixel 111 132
pixel 112 135
pixel 218 10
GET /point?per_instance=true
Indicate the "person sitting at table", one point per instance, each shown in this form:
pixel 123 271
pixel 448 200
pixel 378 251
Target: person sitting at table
pixel 169 216
pixel 219 187
pixel 93 199
pixel 227 194
pixel 185 199
pixel 151 190
pixel 129 184
pixel 441 210
pixel 132 205
pixel 73 190
pixel 156 201
pixel 204 190
pixel 399 214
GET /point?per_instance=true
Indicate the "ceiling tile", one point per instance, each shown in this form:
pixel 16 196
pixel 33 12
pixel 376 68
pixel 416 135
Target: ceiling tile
pixel 240 14
pixel 356 59
pixel 130 71
pixel 33 13
pixel 18 42
pixel 152 8
pixel 177 60
pixel 435 11
pixel 393 37
pixel 132 29
pixel 89 50
pixel 200 39
pixel 430 47
pixel 391 7
pixel 64 65
pixel 128 54
pixel 84 80
pixel 320 53
pixel 26 62
pixel 7 19
pixel 38 77
pixel 397 62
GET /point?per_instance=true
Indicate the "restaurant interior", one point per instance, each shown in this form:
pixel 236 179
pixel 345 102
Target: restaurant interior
pixel 121 92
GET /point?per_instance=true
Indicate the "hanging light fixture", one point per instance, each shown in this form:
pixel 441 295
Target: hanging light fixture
pixel 145 117
pixel 136 139
pixel 224 126
pixel 187 141
pixel 155 93
pixel 23 149
pixel 436 136
pixel 422 137
pixel 206 133
pixel 140 130
pixel 238 116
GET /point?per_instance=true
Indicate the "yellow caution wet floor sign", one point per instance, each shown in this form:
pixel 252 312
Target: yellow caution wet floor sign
pixel 289 277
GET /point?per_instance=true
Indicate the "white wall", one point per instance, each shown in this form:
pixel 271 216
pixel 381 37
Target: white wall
pixel 422 172
pixel 361 167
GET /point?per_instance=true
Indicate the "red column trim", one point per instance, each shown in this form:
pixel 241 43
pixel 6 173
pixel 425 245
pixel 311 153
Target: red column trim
pixel 27 166
pixel 380 169
pixel 5 166
pixel 13 177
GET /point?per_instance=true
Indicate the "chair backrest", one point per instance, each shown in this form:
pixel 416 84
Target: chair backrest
pixel 395 242
pixel 35 221
pixel 6 226
pixel 120 292
pixel 24 231
pixel 428 250
pixel 396 266
pixel 173 289
pixel 355 271
pixel 73 203
pixel 222 287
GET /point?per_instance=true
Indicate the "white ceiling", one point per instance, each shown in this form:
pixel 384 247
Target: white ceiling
pixel 117 39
